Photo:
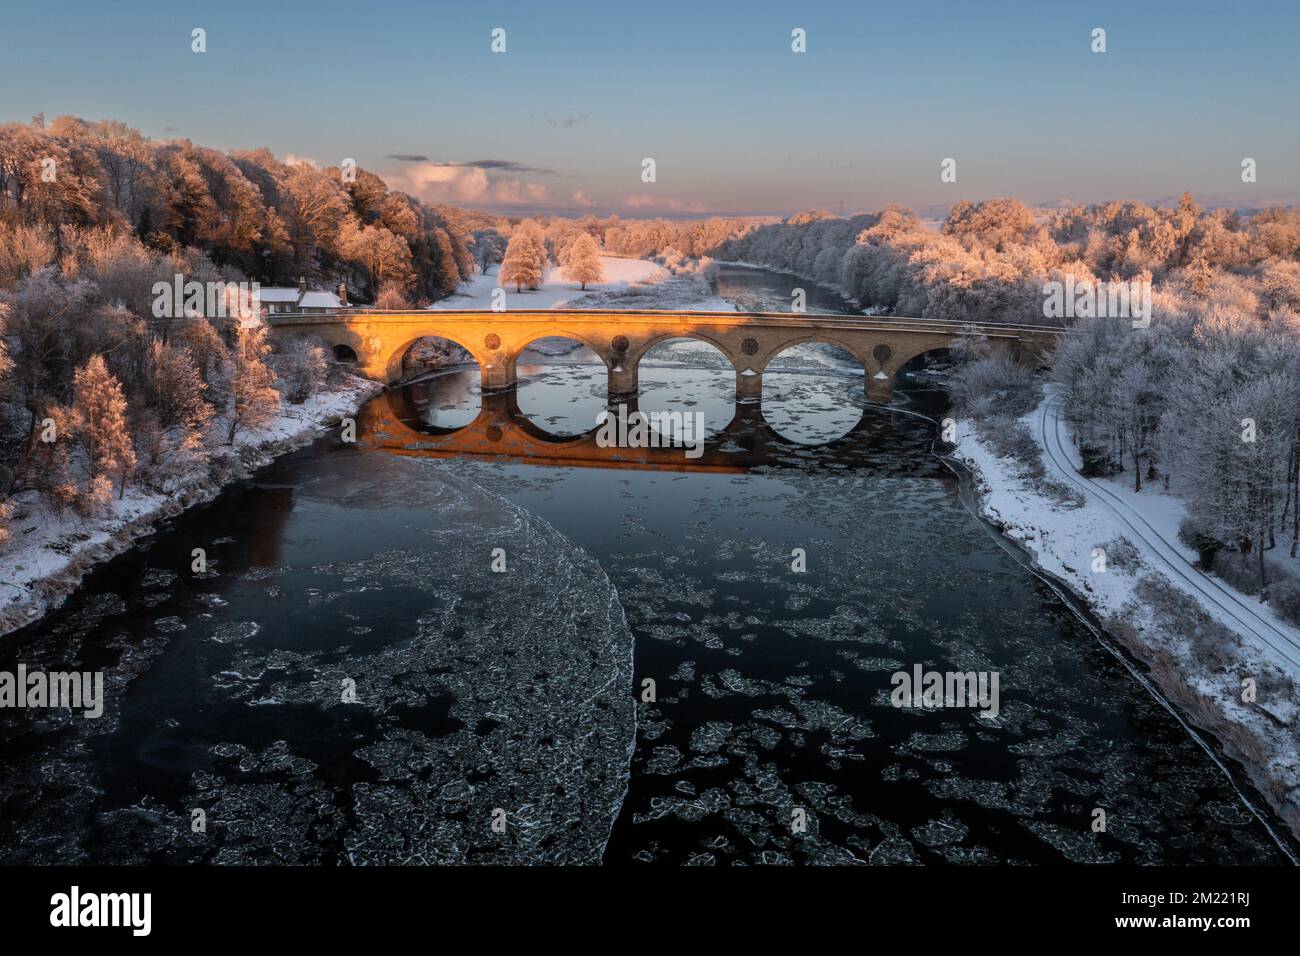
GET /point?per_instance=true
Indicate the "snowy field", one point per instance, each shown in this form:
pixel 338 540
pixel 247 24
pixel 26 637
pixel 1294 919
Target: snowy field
pixel 629 284
pixel 1264 735
pixel 51 552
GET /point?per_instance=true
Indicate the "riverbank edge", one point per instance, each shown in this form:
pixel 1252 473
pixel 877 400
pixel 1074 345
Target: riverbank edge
pixel 1269 758
pixel 821 284
pixel 48 571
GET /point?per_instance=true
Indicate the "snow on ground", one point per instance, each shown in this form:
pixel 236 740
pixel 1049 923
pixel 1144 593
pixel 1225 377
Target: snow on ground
pixel 1151 518
pixel 50 553
pixel 1062 540
pixel 629 284
pixel 556 291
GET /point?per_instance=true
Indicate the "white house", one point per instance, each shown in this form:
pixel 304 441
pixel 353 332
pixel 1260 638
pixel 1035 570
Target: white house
pixel 280 299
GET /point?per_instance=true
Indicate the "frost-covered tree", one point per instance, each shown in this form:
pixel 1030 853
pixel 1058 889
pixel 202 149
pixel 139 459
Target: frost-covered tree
pixel 583 264
pixel 99 417
pixel 379 254
pixel 178 393
pixel 488 248
pixel 6 363
pixel 209 355
pixel 392 297
pixel 253 398
pixel 6 515
pixel 301 366
pixel 525 257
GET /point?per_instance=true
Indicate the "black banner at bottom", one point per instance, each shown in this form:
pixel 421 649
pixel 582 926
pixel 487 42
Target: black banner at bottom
pixel 335 905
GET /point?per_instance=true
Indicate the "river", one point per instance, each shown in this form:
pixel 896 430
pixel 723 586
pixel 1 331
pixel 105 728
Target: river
pixel 440 654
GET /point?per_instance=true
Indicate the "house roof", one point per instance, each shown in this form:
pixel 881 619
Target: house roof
pixel 278 295
pixel 319 300
pixel 311 299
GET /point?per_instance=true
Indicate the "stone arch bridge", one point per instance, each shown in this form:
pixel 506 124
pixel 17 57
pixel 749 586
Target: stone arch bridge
pixel 378 341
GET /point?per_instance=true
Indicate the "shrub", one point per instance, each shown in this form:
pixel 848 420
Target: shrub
pixel 1063 494
pixel 301 369
pixel 1012 439
pixel 1123 555
pixel 995 385
pixel 1193 534
pixel 1284 599
pixel 1241 571
pixel 1209 641
pixel 1097 462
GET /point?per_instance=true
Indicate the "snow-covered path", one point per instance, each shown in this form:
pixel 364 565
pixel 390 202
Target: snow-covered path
pixel 1247 616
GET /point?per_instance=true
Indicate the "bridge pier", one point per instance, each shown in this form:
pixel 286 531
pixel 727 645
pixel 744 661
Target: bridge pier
pixel 622 381
pixel 749 387
pixel 880 389
pixel 497 377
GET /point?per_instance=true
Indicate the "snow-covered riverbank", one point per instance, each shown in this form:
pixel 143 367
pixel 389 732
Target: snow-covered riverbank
pixel 51 553
pixel 1230 667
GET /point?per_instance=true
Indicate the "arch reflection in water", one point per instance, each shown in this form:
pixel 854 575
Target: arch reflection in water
pixel 812 392
pixel 706 390
pixel 393 423
pixel 561 385
pixel 447 400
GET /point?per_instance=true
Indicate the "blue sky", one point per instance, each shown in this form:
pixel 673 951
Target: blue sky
pixel 711 90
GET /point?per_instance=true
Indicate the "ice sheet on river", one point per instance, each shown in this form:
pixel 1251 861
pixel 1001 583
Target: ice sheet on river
pixel 507 692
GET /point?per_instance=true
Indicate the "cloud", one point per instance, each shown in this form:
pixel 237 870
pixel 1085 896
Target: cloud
pixel 580 199
pixel 665 204
pixel 469 183
pixel 568 122
pixel 291 159
pixel 508 165
pixel 496 165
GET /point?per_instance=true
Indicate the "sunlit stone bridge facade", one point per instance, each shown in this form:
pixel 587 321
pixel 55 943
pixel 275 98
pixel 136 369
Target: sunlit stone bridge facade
pixel 378 341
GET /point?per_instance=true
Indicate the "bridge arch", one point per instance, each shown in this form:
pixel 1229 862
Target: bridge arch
pixel 636 353
pixel 812 338
pixel 397 354
pixel 563 415
pixel 838 391
pixel 600 349
pixel 901 357
pixel 710 398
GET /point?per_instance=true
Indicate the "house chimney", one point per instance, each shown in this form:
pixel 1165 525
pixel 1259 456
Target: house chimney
pixel 343 294
pixel 302 285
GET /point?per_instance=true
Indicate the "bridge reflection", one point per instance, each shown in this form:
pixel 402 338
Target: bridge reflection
pixel 395 422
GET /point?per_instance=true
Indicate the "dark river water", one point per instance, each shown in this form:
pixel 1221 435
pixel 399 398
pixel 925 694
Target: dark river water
pixel 421 648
